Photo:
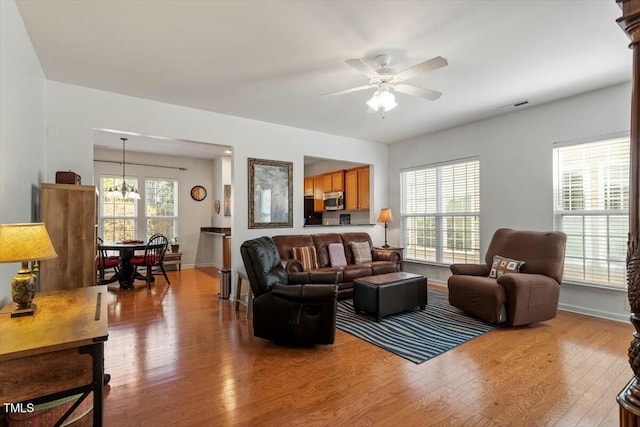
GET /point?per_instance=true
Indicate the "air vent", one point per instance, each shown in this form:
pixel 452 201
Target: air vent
pixel 512 106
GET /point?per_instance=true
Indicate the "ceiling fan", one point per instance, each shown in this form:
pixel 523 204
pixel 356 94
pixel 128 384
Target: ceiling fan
pixel 385 79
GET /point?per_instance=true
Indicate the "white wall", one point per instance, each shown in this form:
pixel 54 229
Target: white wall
pixel 73 112
pixel 516 183
pixel 22 128
pixel 191 214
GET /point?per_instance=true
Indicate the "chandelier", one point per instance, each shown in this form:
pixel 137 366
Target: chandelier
pixel 123 190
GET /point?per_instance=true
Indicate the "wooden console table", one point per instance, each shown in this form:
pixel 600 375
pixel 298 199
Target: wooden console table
pixel 57 352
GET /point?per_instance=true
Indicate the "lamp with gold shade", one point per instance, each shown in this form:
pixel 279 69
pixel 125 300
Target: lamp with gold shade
pixel 386 217
pixel 24 243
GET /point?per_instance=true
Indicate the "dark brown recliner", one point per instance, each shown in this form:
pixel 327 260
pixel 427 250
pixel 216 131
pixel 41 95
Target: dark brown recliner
pixel 289 308
pixel 516 298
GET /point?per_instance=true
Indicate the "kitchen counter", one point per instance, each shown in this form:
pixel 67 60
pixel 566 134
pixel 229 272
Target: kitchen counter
pixel 226 231
pixel 338 225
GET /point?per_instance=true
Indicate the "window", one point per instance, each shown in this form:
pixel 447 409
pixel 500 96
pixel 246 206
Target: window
pixel 117 216
pixel 591 192
pixel 161 207
pixel 440 209
pixel 119 219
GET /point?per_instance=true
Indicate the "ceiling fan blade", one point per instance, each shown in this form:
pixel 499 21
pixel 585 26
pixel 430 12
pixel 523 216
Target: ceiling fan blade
pixel 418 91
pixel 354 89
pixel 426 66
pixel 364 68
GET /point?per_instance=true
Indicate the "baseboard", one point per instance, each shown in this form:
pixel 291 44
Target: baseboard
pixel 594 313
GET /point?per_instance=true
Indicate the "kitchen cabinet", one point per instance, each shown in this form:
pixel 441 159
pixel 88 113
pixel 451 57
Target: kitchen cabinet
pixel 356 193
pixel 308 186
pixel 69 212
pixel 333 181
pixel 318 194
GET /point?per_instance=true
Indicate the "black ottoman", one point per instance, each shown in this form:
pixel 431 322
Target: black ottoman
pixel 390 293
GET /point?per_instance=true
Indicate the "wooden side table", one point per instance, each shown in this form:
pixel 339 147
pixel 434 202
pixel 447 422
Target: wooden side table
pixel 56 352
pixel 248 300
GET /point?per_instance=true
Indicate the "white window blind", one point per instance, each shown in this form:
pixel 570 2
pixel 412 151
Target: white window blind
pixel 591 205
pixel 117 216
pixel 440 210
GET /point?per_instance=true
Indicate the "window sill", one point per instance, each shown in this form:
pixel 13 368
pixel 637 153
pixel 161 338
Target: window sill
pixel 592 285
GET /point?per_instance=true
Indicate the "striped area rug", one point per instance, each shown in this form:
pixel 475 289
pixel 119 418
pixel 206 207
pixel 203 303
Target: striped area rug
pixel 415 335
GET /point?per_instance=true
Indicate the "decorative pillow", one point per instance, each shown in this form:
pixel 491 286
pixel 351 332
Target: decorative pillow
pixel 502 265
pixel 307 256
pixel 361 252
pixel 336 255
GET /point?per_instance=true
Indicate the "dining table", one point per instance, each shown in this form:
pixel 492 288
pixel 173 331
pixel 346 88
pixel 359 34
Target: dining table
pixel 127 250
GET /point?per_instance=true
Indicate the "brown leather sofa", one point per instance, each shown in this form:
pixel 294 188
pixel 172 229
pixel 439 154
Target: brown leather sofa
pixel 383 260
pixel 517 298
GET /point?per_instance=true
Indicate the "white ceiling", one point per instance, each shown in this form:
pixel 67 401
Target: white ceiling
pixel 273 60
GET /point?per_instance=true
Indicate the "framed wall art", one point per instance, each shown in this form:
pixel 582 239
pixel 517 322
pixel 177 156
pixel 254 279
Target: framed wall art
pixel 270 193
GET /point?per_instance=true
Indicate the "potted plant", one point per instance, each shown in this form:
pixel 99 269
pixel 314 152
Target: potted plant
pixel 175 247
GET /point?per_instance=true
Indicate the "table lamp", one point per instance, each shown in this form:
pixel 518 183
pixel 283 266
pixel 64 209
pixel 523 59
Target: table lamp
pixel 386 217
pixel 24 243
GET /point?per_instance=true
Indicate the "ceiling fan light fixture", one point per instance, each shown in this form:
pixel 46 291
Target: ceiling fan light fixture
pixel 382 100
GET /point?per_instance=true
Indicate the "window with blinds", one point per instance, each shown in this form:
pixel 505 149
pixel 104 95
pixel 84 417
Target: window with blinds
pixel 591 205
pixel 440 210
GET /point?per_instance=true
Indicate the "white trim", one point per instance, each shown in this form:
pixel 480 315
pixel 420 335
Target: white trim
pixel 443 163
pixel 607 136
pixel 594 313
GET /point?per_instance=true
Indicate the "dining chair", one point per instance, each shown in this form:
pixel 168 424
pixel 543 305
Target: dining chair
pixel 105 262
pixel 152 259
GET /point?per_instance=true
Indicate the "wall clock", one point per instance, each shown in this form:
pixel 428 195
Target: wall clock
pixel 198 193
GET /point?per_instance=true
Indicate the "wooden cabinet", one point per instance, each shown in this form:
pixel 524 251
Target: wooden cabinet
pixel 333 181
pixel 356 193
pixel 308 186
pixel 70 214
pixel 318 194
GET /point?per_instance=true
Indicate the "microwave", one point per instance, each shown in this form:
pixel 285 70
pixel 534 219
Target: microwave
pixel 334 201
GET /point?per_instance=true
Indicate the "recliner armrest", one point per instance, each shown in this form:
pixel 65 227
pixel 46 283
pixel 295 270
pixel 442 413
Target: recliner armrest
pixel 306 293
pixel 470 269
pixel 329 277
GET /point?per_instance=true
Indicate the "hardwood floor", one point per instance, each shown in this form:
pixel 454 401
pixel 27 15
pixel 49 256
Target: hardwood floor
pixel 178 355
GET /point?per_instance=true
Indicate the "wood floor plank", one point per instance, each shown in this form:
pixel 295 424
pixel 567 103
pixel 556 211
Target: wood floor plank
pixel 178 355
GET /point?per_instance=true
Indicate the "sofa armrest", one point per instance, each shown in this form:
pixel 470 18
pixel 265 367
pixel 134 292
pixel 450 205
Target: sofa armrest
pixel 292 266
pixel 305 293
pixel 313 278
pixel 470 269
pixel 393 255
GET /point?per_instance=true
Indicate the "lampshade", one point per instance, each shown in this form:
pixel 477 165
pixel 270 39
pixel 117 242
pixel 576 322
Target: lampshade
pixel 25 242
pixel 385 215
pixel 382 100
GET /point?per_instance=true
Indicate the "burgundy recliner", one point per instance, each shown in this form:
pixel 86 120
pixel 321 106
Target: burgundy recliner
pixel 289 308
pixel 515 298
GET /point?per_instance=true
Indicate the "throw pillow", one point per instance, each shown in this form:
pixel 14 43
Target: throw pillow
pixel 502 265
pixel 307 256
pixel 336 255
pixel 361 252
